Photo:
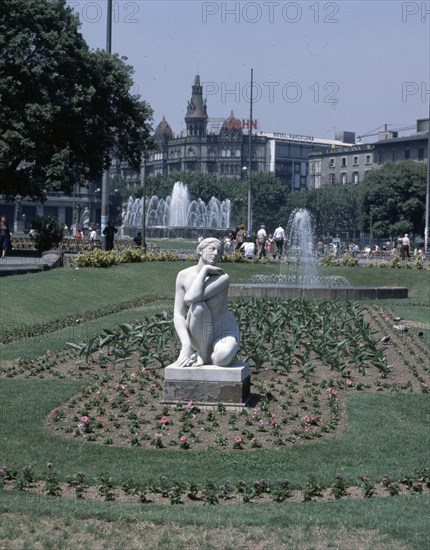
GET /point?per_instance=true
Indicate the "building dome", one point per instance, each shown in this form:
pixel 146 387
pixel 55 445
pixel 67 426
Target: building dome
pixel 231 128
pixel 164 130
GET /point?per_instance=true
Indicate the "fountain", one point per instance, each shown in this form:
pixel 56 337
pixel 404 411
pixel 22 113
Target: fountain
pixel 178 214
pixel 299 276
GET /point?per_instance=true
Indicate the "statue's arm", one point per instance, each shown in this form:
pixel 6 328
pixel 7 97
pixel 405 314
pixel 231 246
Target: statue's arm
pixel 209 282
pixel 179 314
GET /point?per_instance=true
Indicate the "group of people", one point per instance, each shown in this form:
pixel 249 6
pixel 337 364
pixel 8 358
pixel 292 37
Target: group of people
pixel 265 244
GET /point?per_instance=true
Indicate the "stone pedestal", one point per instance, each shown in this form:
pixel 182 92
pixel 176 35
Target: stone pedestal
pixel 208 384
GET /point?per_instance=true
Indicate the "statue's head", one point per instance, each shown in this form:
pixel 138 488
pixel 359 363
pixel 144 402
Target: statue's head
pixel 210 243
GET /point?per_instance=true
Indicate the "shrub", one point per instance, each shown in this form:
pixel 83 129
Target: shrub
pixel 96 258
pixel 48 232
pixel 130 255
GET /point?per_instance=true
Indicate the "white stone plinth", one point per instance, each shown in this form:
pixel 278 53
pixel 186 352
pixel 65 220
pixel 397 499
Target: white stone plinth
pixel 207 384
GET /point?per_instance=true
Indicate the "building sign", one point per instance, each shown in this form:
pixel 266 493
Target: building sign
pixel 215 124
pixel 294 136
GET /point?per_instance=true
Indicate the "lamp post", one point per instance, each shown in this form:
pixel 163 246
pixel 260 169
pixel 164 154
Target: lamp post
pixel 249 222
pixel 105 180
pixel 371 227
pixel 143 180
pixel 426 228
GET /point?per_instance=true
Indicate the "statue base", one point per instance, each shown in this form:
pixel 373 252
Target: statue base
pixel 207 384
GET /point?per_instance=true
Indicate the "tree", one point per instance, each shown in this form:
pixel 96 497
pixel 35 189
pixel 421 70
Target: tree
pixel 48 233
pixel 394 196
pixel 64 109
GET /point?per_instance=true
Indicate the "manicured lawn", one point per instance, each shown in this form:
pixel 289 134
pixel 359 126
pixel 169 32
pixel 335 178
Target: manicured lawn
pixel 386 434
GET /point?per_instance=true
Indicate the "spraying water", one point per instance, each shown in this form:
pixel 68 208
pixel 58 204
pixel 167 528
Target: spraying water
pixel 178 210
pixel 299 264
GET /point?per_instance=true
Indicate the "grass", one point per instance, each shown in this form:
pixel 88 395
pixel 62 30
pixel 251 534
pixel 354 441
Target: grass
pixel 379 523
pixel 386 434
pixel 372 444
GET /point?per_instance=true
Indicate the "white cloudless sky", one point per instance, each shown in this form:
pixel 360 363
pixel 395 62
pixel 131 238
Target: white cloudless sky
pixel 319 67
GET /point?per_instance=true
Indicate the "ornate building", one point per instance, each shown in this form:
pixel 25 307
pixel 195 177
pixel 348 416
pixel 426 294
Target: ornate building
pixel 224 154
pixel 221 147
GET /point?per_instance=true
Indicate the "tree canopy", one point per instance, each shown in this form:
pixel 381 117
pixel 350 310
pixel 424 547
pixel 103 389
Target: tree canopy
pixel 395 196
pixel 63 108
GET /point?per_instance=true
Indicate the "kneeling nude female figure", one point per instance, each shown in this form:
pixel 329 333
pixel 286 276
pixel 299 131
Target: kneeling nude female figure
pixel 207 329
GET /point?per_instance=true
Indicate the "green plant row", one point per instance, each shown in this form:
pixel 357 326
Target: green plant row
pixel 36 329
pixel 175 491
pixel 292 332
pixel 295 332
pixel 395 263
pixel 105 258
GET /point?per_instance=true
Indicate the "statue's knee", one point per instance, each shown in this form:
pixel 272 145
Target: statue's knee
pixel 224 352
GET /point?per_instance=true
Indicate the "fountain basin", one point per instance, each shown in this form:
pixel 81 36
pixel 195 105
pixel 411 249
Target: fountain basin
pixel 350 292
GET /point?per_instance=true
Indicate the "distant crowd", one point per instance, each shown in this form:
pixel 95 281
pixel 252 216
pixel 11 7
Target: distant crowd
pixel 273 245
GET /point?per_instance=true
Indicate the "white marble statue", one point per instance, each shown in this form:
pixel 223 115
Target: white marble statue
pixel 207 329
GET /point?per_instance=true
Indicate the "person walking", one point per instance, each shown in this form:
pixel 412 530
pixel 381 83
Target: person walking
pixel 92 237
pixel 5 243
pixel 406 246
pixel 261 241
pixel 239 237
pixel 279 238
pixel 109 232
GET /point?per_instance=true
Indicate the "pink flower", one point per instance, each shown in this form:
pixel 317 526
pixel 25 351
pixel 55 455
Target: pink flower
pixel 190 404
pixel 306 418
pixel 85 419
pixel 182 439
pixel 158 436
pixel 238 439
pixel 152 386
pixel 55 410
pixel 314 419
pixel 164 420
pixel 348 382
pixel 333 391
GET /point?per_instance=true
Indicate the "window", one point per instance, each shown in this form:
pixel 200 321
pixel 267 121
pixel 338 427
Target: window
pixel 393 155
pixel 343 178
pixel 331 179
pixel 420 153
pixel 407 153
pixel 355 161
pixel 343 161
pixel 355 177
pixel 332 163
pixel 368 161
pixel 380 158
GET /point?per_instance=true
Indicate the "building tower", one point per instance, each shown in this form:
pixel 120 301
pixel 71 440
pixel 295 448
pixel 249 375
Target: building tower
pixel 196 118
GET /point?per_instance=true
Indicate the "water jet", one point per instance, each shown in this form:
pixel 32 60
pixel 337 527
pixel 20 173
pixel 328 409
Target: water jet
pixel 299 277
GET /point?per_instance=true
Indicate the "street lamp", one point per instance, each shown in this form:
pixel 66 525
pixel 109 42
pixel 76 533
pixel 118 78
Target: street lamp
pixel 106 174
pixel 250 155
pixel 371 227
pixel 143 180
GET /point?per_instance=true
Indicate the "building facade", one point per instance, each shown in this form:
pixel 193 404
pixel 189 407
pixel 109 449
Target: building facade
pixel 338 165
pixel 221 147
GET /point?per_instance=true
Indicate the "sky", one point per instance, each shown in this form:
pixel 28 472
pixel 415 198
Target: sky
pixel 319 67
